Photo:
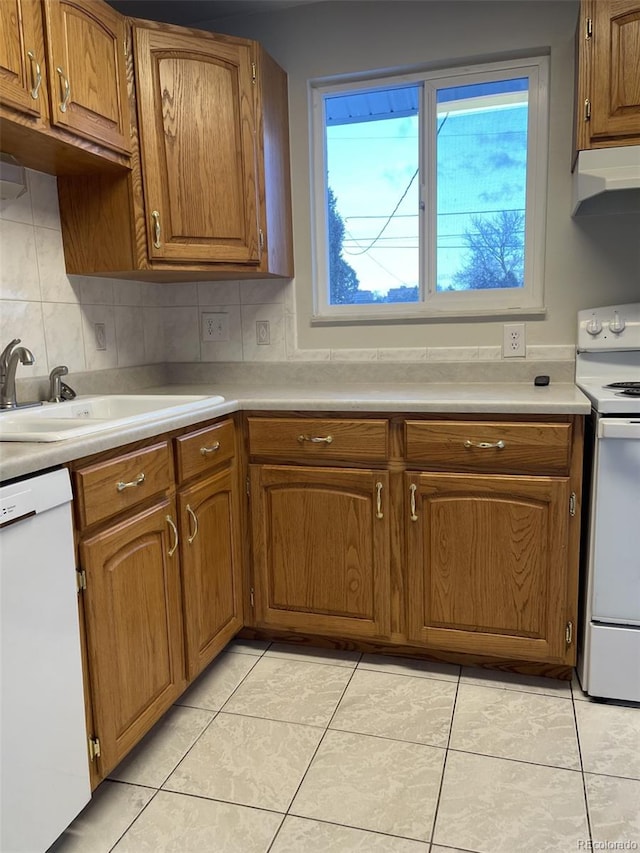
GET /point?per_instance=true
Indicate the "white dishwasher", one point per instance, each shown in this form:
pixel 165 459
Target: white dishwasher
pixel 45 772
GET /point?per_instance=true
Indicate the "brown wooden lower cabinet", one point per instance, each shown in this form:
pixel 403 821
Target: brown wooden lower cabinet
pixel 321 549
pixel 487 564
pixel 133 626
pixel 210 562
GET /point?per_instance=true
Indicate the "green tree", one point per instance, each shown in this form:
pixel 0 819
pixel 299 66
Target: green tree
pixel 343 281
pixel 496 252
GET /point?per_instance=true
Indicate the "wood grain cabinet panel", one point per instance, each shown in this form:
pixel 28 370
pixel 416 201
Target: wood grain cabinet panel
pixel 197 137
pixel 23 82
pixel 321 549
pixel 210 555
pixel 201 451
pixel 104 489
pixel 87 74
pixel 64 106
pixel 539 448
pixel 134 627
pixel 487 563
pixel 345 439
pixel 608 73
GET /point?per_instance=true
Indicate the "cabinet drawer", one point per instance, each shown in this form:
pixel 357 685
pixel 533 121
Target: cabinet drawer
pixel 319 438
pixel 106 488
pixel 199 452
pixel 489 446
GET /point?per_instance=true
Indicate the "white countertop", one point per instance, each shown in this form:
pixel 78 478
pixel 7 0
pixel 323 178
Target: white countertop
pixel 560 398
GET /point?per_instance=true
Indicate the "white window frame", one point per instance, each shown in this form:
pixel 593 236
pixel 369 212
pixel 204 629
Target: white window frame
pixel 526 300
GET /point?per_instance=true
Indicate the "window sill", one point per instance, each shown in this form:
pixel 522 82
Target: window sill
pixel 466 316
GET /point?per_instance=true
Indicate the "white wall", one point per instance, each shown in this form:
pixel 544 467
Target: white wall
pixel 588 261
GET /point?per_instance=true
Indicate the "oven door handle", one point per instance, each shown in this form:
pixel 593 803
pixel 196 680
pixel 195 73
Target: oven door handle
pixel 628 428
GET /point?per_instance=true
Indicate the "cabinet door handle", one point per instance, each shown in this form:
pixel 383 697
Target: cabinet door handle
pixel 37 75
pixel 194 518
pixel 155 215
pixel 174 529
pixel 66 90
pixel 498 445
pixel 205 451
pixel 412 501
pixel 379 513
pixel 139 480
pixel 316 439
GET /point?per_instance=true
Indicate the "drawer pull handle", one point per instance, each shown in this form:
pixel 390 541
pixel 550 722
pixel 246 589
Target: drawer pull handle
pixel 174 530
pixel 316 439
pixel 194 518
pixel 412 501
pixel 498 445
pixel 379 513
pixel 139 480
pixel 37 75
pixel 205 451
pixel 66 94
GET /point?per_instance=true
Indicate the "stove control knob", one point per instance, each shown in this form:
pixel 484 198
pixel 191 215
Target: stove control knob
pixel 616 325
pixel 594 326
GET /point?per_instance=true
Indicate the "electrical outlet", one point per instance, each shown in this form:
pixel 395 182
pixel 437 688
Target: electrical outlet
pixel 263 332
pixel 514 343
pixel 101 336
pixel 215 327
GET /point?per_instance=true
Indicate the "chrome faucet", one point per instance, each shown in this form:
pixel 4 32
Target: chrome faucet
pixel 8 362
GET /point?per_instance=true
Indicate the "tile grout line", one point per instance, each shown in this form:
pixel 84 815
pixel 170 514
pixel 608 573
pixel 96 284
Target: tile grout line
pixel 304 775
pixel 444 766
pixel 160 787
pixel 584 780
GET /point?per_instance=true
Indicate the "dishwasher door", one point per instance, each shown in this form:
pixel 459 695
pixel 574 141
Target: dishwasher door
pixel 43 747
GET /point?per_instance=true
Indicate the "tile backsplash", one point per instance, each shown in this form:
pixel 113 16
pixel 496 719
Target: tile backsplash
pixel 60 317
pixel 56 315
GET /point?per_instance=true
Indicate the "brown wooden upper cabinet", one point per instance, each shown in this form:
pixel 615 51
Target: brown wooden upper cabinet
pixel 63 92
pixel 209 192
pixel 608 74
pixel 87 74
pixel 197 128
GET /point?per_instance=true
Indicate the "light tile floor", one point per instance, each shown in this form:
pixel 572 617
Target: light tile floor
pixel 280 750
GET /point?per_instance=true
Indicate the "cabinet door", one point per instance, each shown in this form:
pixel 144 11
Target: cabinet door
pixel 134 627
pixel 321 549
pixel 87 76
pixel 197 124
pixel 487 564
pixel 615 78
pixel 211 566
pixel 22 57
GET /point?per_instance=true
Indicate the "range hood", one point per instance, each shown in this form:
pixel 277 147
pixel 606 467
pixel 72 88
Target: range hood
pixel 607 180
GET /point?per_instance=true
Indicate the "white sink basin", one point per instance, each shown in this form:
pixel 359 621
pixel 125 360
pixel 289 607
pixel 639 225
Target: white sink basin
pixel 88 415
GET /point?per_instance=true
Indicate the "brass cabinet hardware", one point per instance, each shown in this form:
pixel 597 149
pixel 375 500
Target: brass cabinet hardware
pixel 205 451
pixel 37 75
pixel 412 501
pixel 572 504
pixel 94 748
pixel 172 525
pixel 139 480
pixel 568 633
pixel 316 439
pixel 588 28
pixel 194 518
pixel 64 103
pixel 498 445
pixel 587 109
pixel 379 513
pixel 155 215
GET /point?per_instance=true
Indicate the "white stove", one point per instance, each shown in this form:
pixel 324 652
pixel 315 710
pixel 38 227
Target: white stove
pixel 609 352
pixel 608 371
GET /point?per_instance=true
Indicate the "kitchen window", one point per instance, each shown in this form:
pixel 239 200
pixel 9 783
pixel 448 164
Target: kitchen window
pixel 430 193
